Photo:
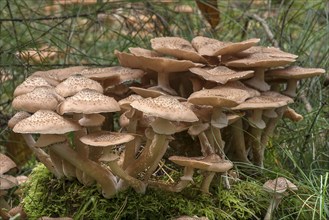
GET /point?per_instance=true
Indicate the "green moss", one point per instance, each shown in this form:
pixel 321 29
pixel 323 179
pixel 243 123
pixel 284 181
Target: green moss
pixel 45 195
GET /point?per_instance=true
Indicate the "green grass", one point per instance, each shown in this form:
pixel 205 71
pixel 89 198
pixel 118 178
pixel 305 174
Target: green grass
pixel 298 150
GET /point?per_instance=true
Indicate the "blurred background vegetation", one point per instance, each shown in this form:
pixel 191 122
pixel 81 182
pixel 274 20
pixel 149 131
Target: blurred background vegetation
pixel 45 34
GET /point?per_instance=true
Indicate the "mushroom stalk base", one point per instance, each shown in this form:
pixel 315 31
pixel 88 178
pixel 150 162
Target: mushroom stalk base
pixel 94 170
pixel 40 154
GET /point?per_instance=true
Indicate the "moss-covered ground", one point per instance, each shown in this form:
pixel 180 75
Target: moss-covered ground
pixel 46 196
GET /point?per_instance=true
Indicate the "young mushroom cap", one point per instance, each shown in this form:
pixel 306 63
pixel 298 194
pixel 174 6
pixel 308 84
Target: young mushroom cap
pixel 125 103
pixel 221 74
pixel 40 98
pixel 6 164
pixel 30 84
pixel 106 138
pixel 19 116
pixel 76 83
pixel 211 163
pixel 165 107
pixel 7 182
pixel 176 47
pixel 88 101
pixel 92 120
pixel 45 122
pixel 279 185
pixel 211 47
pixel 49 139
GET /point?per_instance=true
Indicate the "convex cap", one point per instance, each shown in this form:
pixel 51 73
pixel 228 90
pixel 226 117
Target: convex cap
pixel 88 101
pixel 106 138
pixel 76 83
pixel 45 122
pixel 165 107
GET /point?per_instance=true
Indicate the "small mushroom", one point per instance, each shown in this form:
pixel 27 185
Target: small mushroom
pixel 277 188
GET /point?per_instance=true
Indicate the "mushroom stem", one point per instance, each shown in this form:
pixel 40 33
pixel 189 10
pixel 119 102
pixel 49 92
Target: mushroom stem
pixel 130 149
pixel 271 125
pixel 238 147
pixel 256 146
pixel 57 161
pixel 218 141
pixel 104 177
pixel 40 154
pixel 258 81
pixel 138 185
pixel 255 120
pixel 206 148
pixel 274 203
pixel 149 158
pixel 163 83
pixel 291 88
pixel 208 177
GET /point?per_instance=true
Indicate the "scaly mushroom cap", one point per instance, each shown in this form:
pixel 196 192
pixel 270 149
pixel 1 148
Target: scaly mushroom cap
pixel 40 98
pixel 125 103
pixel 211 163
pixel 293 72
pixel 138 51
pixel 266 100
pixel 176 47
pixel 30 84
pixel 45 122
pixel 165 107
pixel 76 83
pixel 157 64
pixel 262 60
pixel 49 139
pixel 228 95
pixel 60 74
pixel 221 74
pixel 212 47
pixel 271 51
pixel 88 101
pixel 19 116
pixel 7 182
pixel 6 164
pixel 106 138
pixel 279 185
pixel 99 74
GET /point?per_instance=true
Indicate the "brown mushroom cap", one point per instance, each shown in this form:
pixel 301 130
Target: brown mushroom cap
pixel 6 164
pixel 211 47
pixel 7 182
pixel 271 51
pixel 157 64
pixel 165 107
pixel 266 100
pixel 45 122
pixel 88 101
pixel 30 84
pixel 49 139
pixel 221 74
pixel 59 74
pixel 17 118
pixel 125 103
pixel 211 163
pixel 138 51
pixel 293 72
pixel 263 60
pixel 279 185
pixel 76 83
pixel 176 47
pixel 228 95
pixel 92 120
pixel 106 138
pixel 40 98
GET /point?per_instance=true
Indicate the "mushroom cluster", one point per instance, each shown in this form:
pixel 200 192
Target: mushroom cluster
pixel 113 126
